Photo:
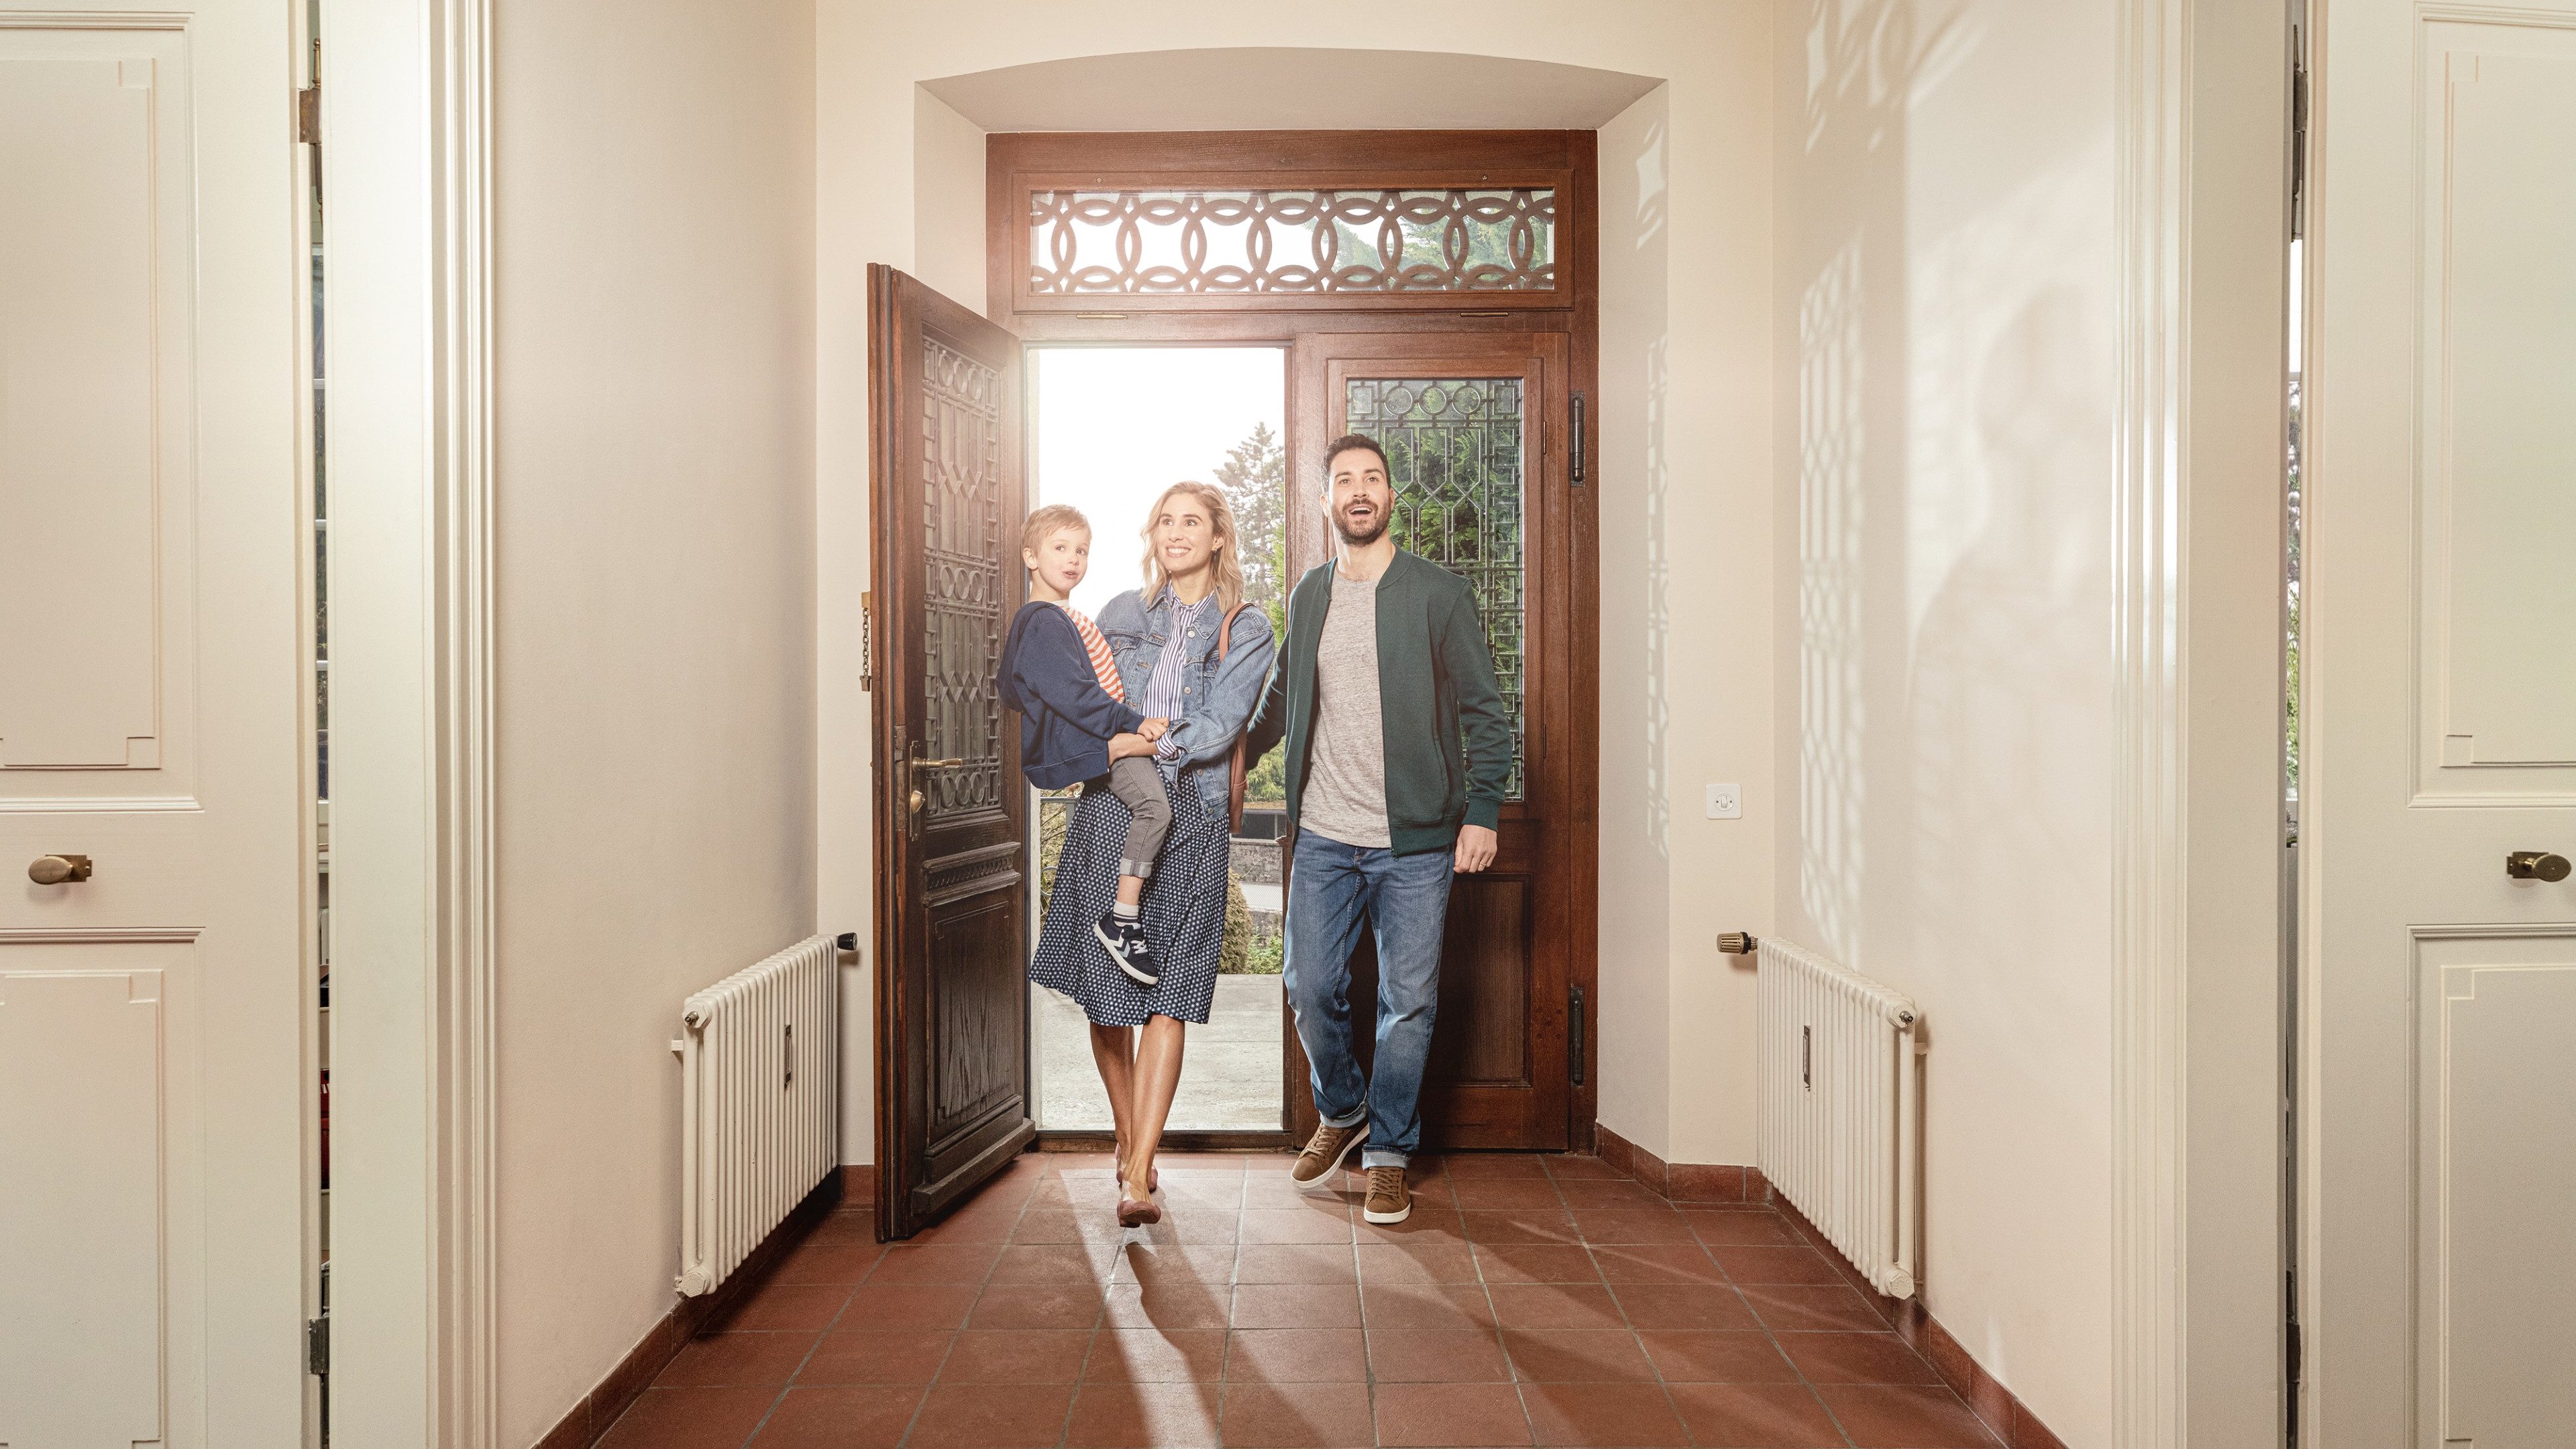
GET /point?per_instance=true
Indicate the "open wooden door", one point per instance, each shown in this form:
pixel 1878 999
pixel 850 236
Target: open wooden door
pixel 1476 428
pixel 952 910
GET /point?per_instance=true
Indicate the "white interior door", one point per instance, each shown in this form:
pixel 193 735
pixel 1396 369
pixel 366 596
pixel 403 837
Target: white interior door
pixel 154 1071
pixel 2440 1024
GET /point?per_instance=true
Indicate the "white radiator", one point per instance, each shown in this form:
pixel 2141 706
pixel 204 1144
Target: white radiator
pixel 1834 1088
pixel 759 1068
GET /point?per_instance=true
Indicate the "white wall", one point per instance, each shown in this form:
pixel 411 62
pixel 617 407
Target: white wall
pixel 1944 660
pixel 1676 1059
pixel 1637 798
pixel 655 582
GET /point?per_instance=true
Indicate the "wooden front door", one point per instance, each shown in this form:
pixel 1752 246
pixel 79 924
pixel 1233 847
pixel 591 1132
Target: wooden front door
pixel 1476 427
pixel 952 910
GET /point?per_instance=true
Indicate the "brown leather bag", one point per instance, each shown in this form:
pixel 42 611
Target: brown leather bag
pixel 1234 798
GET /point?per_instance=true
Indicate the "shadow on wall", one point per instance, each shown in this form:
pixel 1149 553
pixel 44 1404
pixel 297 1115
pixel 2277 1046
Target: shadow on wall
pixel 1854 373
pixel 1943 294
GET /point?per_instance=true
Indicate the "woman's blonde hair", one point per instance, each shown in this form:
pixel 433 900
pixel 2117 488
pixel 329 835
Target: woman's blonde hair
pixel 1227 563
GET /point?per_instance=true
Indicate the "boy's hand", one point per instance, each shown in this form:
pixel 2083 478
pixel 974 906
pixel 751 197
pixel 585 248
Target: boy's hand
pixel 1154 729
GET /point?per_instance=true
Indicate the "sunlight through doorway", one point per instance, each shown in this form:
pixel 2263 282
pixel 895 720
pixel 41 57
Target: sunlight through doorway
pixel 1111 428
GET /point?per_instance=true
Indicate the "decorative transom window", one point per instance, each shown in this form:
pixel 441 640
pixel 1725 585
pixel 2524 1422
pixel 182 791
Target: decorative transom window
pixel 1302 241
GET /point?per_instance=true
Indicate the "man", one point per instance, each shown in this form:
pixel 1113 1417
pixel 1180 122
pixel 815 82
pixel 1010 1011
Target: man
pixel 1386 682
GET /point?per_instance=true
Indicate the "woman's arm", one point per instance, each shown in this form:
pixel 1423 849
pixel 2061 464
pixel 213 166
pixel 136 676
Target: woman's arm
pixel 1208 734
pixel 1123 745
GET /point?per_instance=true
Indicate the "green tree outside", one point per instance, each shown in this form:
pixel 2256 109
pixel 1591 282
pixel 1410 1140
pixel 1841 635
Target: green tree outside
pixel 1254 477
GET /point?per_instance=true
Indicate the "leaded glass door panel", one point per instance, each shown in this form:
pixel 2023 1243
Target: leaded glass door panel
pixel 1475 429
pixel 952 932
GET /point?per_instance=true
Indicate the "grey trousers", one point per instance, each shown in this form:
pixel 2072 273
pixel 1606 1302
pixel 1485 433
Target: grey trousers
pixel 1138 783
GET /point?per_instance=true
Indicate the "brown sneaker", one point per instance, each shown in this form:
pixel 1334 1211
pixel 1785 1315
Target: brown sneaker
pixel 1389 1200
pixel 1319 1167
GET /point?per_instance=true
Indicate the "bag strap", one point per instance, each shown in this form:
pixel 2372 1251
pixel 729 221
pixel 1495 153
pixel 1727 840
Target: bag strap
pixel 1237 772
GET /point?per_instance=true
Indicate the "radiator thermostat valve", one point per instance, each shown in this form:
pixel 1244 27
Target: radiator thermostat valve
pixel 1738 943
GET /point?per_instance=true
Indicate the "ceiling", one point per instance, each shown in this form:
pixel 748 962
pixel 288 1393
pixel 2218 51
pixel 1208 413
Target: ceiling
pixel 1259 89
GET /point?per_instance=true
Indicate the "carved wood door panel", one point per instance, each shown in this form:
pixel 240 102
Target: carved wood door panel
pixel 1476 428
pixel 952 912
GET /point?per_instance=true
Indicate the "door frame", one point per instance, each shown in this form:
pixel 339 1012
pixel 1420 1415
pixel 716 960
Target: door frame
pixel 407 168
pixel 1565 159
pixel 2201 224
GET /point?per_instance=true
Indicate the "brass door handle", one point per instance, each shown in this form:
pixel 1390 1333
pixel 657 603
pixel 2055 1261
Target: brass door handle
pixel 57 869
pixel 912 793
pixel 2535 865
pixel 918 763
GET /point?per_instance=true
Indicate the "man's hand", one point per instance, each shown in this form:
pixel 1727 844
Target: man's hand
pixel 1154 729
pixel 1121 746
pixel 1475 848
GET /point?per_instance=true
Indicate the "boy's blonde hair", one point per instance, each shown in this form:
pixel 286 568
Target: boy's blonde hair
pixel 1229 565
pixel 1047 521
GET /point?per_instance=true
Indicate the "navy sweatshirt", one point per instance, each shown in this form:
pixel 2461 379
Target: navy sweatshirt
pixel 1066 719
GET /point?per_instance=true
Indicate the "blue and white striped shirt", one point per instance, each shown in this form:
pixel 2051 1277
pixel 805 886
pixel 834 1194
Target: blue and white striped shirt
pixel 1168 690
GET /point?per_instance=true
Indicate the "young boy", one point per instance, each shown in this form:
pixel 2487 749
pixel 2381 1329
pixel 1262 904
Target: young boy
pixel 1058 673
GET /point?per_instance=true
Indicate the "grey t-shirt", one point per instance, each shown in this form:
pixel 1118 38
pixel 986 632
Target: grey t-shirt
pixel 1345 796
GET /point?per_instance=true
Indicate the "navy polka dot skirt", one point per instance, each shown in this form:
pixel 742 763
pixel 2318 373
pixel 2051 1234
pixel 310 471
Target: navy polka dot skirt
pixel 1183 909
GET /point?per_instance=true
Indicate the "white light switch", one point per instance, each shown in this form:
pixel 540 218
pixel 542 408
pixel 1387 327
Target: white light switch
pixel 1725 802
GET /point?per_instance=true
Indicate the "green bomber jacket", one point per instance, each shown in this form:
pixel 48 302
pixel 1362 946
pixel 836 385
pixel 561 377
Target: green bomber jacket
pixel 1448 736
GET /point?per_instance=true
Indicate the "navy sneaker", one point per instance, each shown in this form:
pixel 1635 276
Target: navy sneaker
pixel 1126 944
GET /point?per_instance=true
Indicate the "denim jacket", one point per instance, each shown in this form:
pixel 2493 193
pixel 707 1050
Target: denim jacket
pixel 1232 690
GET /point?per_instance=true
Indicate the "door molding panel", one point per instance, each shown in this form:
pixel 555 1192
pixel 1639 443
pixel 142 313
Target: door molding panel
pixel 409 174
pixel 2466 1081
pixel 2201 227
pixel 2151 136
pixel 2481 566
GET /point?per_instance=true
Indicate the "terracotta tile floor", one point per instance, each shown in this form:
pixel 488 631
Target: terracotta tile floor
pixel 1529 1301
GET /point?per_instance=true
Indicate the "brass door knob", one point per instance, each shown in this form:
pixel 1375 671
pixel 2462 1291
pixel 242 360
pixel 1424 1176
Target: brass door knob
pixel 2535 865
pixel 56 869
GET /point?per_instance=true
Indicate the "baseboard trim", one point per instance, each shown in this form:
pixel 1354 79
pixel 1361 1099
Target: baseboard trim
pixel 2002 1411
pixel 1694 1184
pixel 587 1421
pixel 1682 1182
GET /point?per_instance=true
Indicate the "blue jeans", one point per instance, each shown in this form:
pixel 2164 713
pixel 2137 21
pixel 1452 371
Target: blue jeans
pixel 1331 891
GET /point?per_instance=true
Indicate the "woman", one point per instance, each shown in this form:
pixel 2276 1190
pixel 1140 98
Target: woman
pixel 1165 641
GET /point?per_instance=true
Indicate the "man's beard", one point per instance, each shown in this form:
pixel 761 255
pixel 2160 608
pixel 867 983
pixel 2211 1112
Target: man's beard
pixel 1359 540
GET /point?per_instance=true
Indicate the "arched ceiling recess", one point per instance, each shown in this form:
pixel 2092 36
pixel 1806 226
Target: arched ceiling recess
pixel 1290 89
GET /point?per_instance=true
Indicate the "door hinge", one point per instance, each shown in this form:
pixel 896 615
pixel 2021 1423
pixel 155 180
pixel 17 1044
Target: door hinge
pixel 1575 1020
pixel 868 639
pixel 1576 454
pixel 308 114
pixel 317 1345
pixel 2298 152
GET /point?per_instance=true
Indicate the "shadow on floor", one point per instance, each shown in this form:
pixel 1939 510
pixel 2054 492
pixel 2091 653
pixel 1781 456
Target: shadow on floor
pixel 1529 1300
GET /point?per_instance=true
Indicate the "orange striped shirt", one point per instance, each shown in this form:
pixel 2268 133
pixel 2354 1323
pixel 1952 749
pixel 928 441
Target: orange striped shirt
pixel 1104 666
